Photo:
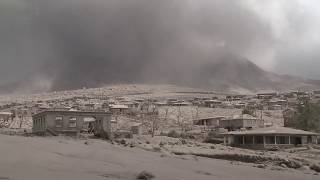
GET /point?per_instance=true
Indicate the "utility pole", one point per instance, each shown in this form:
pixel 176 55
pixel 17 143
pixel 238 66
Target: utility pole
pixel 179 114
pixel 21 119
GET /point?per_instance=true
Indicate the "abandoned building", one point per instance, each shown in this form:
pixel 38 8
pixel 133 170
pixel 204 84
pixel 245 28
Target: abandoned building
pixel 267 95
pixel 209 122
pixel 72 123
pixel 5 118
pixel 238 122
pixel 270 137
pixel 212 103
pixel 119 109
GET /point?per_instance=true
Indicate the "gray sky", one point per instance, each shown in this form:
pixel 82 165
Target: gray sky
pixel 69 42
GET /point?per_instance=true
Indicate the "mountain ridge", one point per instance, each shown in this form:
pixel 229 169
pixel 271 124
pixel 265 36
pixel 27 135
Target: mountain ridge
pixel 226 72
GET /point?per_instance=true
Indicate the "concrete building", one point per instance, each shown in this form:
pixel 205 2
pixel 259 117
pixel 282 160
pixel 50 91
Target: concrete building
pixel 238 122
pixel 209 122
pixel 212 103
pixel 136 128
pixel 119 109
pixel 71 123
pixel 5 118
pixel 266 95
pixel 270 137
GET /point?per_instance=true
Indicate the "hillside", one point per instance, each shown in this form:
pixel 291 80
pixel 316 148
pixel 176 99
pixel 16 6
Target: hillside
pixel 233 73
pixel 222 72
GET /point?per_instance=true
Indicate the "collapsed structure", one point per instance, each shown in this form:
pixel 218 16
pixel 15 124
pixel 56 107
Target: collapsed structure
pixel 71 123
pixel 5 117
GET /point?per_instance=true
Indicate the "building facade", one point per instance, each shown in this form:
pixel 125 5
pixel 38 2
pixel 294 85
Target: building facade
pixel 270 137
pixel 238 122
pixel 72 123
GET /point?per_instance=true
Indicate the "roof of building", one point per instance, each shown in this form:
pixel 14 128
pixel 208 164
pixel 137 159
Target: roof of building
pixel 119 106
pixel 242 116
pixel 272 130
pixel 6 113
pixel 209 118
pixel 72 112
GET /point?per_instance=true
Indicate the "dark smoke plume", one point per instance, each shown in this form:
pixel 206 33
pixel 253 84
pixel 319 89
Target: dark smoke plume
pixel 77 43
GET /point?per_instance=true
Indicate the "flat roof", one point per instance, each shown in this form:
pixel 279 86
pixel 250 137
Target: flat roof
pixel 243 116
pixel 119 106
pixel 272 130
pixel 207 118
pixel 71 112
pixel 6 113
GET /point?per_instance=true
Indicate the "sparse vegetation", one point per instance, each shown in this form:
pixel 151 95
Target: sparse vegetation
pixel 213 137
pixel 173 134
pixel 315 167
pixel 307 117
pixel 248 111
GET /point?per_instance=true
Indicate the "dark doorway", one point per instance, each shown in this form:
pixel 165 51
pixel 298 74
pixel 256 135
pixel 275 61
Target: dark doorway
pixel 298 141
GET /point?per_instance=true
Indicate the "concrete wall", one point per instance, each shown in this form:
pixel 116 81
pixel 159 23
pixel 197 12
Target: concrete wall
pixel 241 123
pixel 254 123
pixel 39 124
pixel 236 123
pixel 103 127
pixel 51 122
pixel 48 121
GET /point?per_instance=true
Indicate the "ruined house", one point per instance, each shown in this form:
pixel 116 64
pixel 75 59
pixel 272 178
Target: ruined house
pixel 238 122
pixel 5 118
pixel 71 123
pixel 119 109
pixel 209 122
pixel 212 103
pixel 267 95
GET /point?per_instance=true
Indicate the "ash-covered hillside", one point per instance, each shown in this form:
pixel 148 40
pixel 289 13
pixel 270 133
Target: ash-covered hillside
pixel 231 73
pixel 225 72
pixel 63 45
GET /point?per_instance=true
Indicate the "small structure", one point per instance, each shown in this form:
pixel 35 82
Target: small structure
pixel 5 117
pixel 212 103
pixel 161 104
pixel 136 128
pixel 71 123
pixel 238 122
pixel 276 104
pixel 270 137
pixel 119 109
pixel 209 122
pixel 240 105
pixel 266 95
pixel 316 94
pixel 235 97
pixel 181 103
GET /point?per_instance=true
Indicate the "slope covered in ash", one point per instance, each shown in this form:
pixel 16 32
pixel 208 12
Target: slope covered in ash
pixel 231 72
pixel 226 72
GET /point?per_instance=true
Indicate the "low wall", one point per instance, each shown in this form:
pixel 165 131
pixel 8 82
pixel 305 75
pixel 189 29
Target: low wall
pixel 266 146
